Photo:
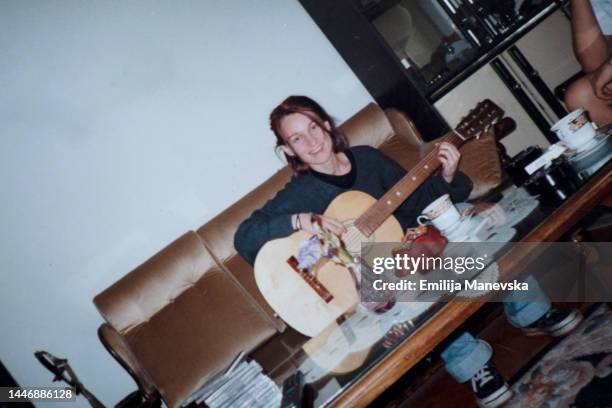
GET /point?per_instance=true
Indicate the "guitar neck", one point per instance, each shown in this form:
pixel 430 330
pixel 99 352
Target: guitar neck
pixel 374 216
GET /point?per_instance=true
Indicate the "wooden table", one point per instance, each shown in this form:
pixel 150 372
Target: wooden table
pixel 452 315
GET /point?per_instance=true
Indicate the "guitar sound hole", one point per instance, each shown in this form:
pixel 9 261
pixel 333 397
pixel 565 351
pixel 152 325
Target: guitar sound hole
pixel 353 238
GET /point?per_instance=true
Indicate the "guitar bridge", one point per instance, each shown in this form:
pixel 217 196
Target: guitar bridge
pixel 313 282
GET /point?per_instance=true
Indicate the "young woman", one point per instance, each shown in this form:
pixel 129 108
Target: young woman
pixel 324 167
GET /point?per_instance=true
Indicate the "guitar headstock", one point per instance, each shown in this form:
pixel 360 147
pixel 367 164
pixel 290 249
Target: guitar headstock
pixel 480 119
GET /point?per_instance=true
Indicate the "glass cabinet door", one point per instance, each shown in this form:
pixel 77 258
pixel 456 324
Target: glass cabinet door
pixel 423 37
pixel 436 39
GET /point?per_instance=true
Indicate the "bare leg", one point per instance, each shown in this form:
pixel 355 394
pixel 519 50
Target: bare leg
pixel 580 95
pixel 590 44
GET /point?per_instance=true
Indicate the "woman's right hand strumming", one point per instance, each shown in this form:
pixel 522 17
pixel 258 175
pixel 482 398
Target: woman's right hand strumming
pixel 306 222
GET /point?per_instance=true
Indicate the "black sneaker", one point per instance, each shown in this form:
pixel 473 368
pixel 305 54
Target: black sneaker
pixel 555 323
pixel 489 387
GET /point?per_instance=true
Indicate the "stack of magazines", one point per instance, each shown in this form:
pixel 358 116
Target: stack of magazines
pixel 243 384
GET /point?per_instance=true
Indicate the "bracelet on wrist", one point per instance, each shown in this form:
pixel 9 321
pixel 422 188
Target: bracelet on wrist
pixel 298 222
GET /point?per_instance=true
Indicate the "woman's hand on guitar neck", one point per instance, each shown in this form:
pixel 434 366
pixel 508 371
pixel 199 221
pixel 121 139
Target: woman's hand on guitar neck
pixel 449 156
pixel 306 222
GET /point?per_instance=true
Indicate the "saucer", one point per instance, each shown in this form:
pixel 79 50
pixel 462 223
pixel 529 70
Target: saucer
pixel 603 134
pixel 467 226
pixel 494 235
pixel 588 144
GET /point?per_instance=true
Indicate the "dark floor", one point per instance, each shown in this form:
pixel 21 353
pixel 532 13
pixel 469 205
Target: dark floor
pixel 430 386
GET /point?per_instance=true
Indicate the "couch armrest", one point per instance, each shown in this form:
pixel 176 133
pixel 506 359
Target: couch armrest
pixel 120 350
pixel 404 127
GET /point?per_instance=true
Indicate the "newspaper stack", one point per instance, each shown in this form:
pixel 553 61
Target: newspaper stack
pixel 243 384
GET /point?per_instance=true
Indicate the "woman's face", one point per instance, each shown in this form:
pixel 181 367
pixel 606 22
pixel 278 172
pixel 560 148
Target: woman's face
pixel 305 139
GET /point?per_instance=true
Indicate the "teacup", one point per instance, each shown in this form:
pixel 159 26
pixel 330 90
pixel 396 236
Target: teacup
pixel 441 212
pixel 575 129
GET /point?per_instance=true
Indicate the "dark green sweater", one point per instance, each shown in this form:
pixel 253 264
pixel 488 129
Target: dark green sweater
pixel 376 174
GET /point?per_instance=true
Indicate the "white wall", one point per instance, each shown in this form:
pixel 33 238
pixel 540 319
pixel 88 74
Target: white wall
pixel 122 125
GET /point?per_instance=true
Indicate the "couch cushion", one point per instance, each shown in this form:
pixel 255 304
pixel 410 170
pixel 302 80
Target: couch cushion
pixel 140 294
pixel 196 336
pixel 404 127
pixel 243 272
pixel 218 233
pixel 369 126
pixel 218 236
pixel 404 154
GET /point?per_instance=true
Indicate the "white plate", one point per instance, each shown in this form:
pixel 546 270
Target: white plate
pixel 602 136
pixel 464 225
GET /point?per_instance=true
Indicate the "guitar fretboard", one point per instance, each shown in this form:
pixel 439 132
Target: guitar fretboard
pixel 374 216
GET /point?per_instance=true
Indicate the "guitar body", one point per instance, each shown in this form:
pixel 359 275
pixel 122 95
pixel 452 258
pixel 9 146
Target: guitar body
pixel 295 301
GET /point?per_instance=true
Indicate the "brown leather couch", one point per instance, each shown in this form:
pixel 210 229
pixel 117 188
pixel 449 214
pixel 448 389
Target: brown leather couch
pixel 180 318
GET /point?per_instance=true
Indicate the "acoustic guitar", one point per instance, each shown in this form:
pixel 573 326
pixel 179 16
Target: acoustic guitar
pixel 311 305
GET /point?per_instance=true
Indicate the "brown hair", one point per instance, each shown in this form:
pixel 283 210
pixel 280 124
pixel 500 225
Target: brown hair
pixel 310 108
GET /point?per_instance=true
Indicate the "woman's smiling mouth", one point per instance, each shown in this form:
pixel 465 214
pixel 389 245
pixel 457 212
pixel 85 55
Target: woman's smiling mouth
pixel 316 150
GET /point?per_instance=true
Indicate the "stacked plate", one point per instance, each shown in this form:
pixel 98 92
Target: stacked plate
pixel 594 154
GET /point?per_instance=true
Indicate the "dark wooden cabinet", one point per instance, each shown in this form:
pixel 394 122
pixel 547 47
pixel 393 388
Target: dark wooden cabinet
pixel 446 41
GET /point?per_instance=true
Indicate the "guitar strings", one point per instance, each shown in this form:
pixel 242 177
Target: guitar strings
pixel 370 215
pixel 416 172
pixel 352 237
